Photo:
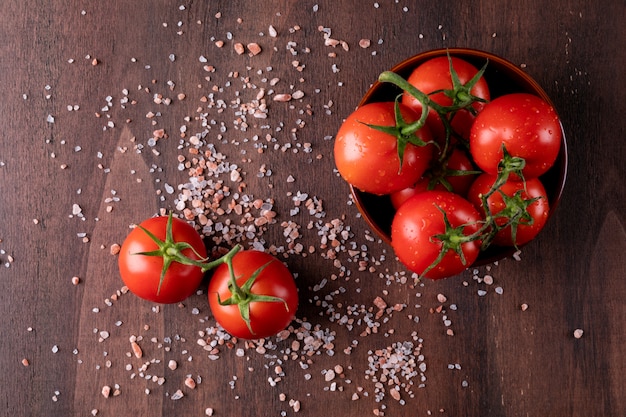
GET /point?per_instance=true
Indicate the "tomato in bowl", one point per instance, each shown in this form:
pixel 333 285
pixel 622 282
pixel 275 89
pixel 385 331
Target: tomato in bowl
pixel 503 78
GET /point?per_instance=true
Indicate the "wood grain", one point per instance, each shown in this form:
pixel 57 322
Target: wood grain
pixel 75 141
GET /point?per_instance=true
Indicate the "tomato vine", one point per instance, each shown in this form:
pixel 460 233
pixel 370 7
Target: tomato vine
pixel 516 208
pixel 172 252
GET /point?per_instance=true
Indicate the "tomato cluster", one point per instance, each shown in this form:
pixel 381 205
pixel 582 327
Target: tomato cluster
pixel 462 169
pixel 252 294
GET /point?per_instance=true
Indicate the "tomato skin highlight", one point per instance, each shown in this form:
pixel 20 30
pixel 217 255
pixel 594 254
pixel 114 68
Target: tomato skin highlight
pixel 368 159
pixel 266 318
pixel 525 124
pixel 539 209
pixel 419 219
pixel 141 273
pixel 434 75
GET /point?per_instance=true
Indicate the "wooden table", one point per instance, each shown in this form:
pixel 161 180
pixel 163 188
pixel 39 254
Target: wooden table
pixel 99 104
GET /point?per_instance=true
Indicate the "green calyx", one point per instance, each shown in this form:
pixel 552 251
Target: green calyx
pixel 514 214
pixel 439 173
pixel 242 296
pixel 171 251
pixel 452 239
pixel 404 132
pixel 460 94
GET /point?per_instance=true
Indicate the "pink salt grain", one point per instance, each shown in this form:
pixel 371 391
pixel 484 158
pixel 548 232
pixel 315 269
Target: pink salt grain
pixel 254 48
pixel 239 48
pixel 190 383
pixel 136 349
pixel 283 97
pixel 115 249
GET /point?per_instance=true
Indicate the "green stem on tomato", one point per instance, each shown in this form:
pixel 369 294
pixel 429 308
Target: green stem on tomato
pixel 242 296
pixel 207 266
pixel 403 132
pixel 171 251
pixel 397 80
pixel 516 208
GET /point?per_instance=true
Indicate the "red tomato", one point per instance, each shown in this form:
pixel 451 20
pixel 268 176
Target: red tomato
pixel 267 318
pixel 525 124
pixel 142 273
pixel 529 225
pixel 434 75
pixel 448 173
pixel 399 197
pixel 368 158
pixel 416 230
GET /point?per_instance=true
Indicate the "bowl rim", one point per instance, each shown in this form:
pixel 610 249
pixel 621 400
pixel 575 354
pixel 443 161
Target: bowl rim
pixel 561 162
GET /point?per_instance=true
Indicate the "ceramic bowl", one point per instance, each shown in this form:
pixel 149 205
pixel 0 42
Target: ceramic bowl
pixel 503 77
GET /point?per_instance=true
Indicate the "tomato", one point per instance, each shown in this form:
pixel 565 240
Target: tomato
pixel 273 279
pixel 368 158
pixel 142 273
pixel 455 173
pixel 434 75
pixel 525 124
pixel 529 224
pixel 417 229
pixel 399 197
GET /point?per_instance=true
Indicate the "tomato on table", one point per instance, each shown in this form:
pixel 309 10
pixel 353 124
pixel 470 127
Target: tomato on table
pixel 525 125
pixel 527 202
pixel 369 159
pixel 431 234
pixel 150 272
pixel 266 294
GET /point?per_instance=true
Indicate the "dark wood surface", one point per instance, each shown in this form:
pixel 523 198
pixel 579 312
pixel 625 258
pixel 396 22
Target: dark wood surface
pixel 78 82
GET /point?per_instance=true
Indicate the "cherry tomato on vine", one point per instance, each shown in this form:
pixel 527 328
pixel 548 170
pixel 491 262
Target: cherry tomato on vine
pixel 264 301
pixel 434 75
pixel 431 234
pixel 527 203
pixel 369 158
pixel 455 174
pixel 150 268
pixel 525 125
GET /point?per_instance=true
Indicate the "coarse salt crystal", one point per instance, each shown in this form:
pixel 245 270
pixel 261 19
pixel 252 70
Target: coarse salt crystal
pixel 177 395
pixel 329 375
pixel 190 383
